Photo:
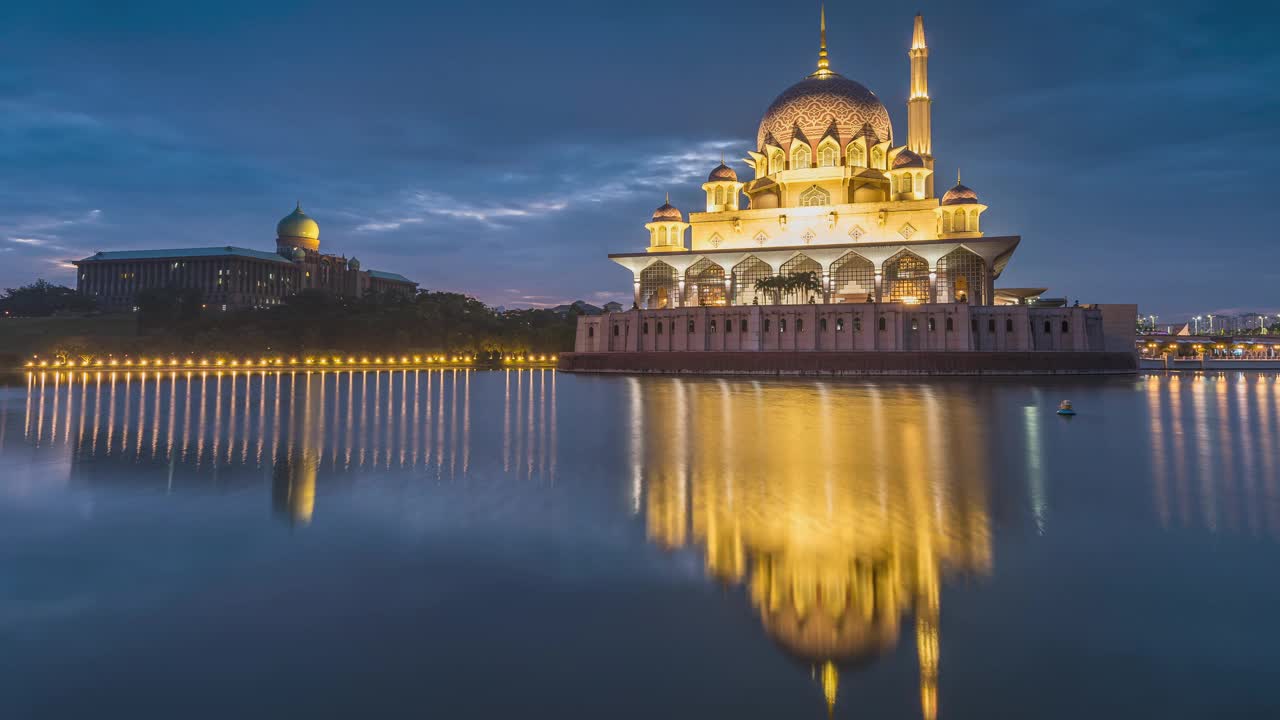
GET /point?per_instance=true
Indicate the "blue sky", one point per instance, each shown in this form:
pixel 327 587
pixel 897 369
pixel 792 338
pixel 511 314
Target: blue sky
pixel 504 148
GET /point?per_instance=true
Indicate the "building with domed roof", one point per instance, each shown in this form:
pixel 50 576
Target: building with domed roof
pixel 233 277
pixel 838 251
pixel 834 193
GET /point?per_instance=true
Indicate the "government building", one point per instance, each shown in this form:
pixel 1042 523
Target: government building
pixel 838 242
pixel 233 278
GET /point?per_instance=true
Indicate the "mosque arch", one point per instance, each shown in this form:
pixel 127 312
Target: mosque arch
pixel 814 196
pixel 906 278
pixel 745 275
pixel 801 264
pixel 801 157
pixel 658 286
pixel 704 283
pixel 853 278
pixel 961 277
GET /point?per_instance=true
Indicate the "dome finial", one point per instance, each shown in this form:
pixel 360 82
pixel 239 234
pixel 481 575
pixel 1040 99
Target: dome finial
pixel 824 65
pixel 668 197
pixel 957 176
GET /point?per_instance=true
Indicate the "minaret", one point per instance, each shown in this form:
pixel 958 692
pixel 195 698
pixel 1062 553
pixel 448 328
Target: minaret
pixel 919 127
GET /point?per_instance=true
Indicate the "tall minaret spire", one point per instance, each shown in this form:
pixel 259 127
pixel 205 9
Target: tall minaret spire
pixel 824 65
pixel 919 123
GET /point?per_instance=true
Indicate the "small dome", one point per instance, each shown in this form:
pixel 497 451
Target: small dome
pixel 722 172
pixel 960 195
pixel 667 212
pixel 298 225
pixel 907 159
pixel 299 254
pixel 353 264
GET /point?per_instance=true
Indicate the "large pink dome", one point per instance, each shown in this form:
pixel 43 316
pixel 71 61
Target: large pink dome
pixel 819 103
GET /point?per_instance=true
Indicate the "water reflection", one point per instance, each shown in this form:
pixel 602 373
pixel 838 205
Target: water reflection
pixel 840 513
pixel 299 427
pixel 1212 444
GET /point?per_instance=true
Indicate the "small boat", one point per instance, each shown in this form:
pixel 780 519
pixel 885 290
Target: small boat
pixel 1064 408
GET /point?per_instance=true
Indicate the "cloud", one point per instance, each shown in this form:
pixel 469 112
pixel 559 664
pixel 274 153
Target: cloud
pixel 27 241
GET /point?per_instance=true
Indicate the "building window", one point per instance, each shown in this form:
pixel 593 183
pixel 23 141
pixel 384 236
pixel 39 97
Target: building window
pixel 877 158
pixel 946 223
pixel 906 183
pixel 857 324
pixel 855 156
pixel 672 329
pixel 766 324
pixel 881 323
pixel 615 331
pixel 658 327
pixel 822 325
pixel 915 324
pixel 839 324
pixel 719 196
pixel 800 158
pixel 690 326
pixel 991 325
pixel 782 325
pixel 777 163
pixel 950 324
pixel 591 331
pixel 713 326
pixel 1046 327
pixel 931 328
pixel 799 325
pixel 829 157
pixel 814 196
pixel 959 225
pixel 646 328
pixel 742 327
pixel 1066 327
pixel 1008 324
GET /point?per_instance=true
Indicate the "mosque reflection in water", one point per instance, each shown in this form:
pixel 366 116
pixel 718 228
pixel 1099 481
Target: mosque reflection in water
pixel 185 429
pixel 840 517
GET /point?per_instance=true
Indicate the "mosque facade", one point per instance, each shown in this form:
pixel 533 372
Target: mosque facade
pixel 835 197
pixel 232 278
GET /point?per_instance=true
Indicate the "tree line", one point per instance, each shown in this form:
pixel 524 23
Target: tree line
pixel 177 321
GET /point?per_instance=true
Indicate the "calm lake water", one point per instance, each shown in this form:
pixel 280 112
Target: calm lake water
pixel 527 544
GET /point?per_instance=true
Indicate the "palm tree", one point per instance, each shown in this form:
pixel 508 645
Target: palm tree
pixel 804 283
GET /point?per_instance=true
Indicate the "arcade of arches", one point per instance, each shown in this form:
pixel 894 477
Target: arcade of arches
pixel 959 276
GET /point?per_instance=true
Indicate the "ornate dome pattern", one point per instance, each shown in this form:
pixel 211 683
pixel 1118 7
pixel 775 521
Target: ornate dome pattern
pixel 960 195
pixel 722 172
pixel 907 159
pixel 817 104
pixel 667 213
pixel 298 224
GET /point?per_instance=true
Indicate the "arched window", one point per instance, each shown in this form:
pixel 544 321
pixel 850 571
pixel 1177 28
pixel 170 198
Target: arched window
pixel 973 220
pixel 959 226
pixel 662 235
pixel 946 222
pixel 906 183
pixel 877 157
pixel 856 157
pixel 591 331
pixel 777 163
pixel 800 158
pixel 719 196
pixel 814 196
pixel 829 157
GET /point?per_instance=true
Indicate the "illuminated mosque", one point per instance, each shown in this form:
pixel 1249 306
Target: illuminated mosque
pixel 832 195
pixel 231 277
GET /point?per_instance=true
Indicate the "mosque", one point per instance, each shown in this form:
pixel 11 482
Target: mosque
pixel 833 194
pixel 232 277
pixel 839 253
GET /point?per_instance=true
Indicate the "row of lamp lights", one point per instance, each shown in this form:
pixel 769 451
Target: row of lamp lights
pixel 278 362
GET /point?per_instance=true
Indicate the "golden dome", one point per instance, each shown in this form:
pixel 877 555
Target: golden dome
pixel 298 224
pixel 722 172
pixel 824 105
pixel 907 159
pixel 667 212
pixel 960 195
